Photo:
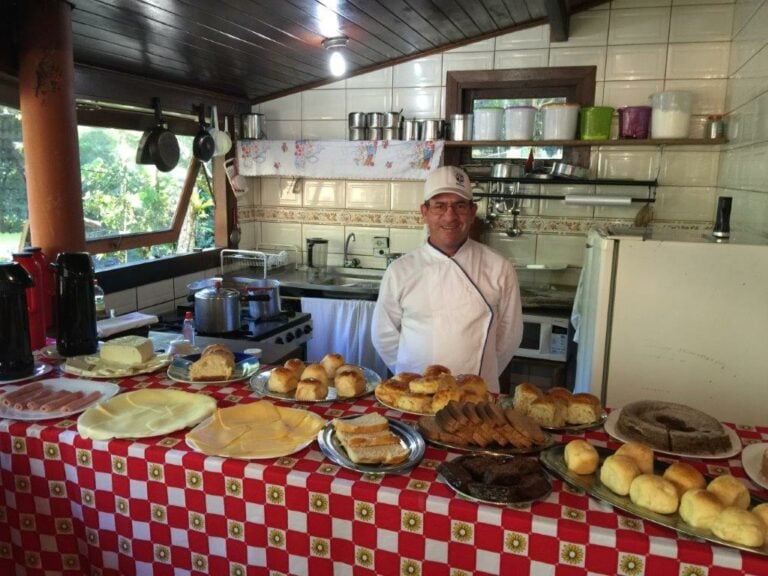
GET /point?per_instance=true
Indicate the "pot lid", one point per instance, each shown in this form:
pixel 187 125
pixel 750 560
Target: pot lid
pixel 217 293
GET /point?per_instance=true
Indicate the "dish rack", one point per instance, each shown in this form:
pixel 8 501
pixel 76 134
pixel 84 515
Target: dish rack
pixel 266 260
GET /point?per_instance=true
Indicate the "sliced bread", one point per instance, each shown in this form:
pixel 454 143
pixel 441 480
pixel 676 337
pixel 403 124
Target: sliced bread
pixel 365 424
pixel 389 454
pixel 383 438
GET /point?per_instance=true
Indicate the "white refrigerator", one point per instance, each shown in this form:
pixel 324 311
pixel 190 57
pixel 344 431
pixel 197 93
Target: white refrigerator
pixel 675 317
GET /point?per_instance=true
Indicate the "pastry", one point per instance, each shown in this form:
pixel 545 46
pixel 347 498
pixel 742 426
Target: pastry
pixel 562 394
pixel 331 362
pixel 424 385
pixel 472 384
pixel 640 453
pixel 699 508
pixel 436 370
pixel 730 491
pixel 685 477
pixel 282 380
pixel 654 493
pixel 581 457
pixel 739 526
pixel 349 383
pixel 672 427
pixel 316 371
pixel 296 365
pixel 216 363
pixel 617 474
pixel 311 389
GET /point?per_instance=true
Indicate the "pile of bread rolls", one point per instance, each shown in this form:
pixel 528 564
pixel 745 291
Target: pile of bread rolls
pixel 558 407
pixel 311 381
pixel 721 506
pixel 429 392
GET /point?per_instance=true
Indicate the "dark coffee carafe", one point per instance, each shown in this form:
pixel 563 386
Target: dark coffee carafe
pixel 16 360
pixel 76 319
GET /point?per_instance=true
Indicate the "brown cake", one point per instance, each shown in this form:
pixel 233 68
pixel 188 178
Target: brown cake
pixel 672 427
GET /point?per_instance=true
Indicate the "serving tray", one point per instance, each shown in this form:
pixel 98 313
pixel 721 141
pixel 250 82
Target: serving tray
pixel 553 459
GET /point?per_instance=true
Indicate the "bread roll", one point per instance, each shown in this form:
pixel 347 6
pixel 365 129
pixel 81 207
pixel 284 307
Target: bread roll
pixel 559 393
pixel 654 493
pixel 699 508
pixel 444 395
pixel 730 491
pixel 424 385
pixel 390 390
pixel 406 376
pixel 436 370
pixel 547 412
pixel 640 453
pixel 421 403
pixel 739 526
pixel 349 383
pixel 617 474
pixel 581 457
pixel 217 362
pixel 583 409
pixel 350 368
pixel 472 384
pixel 761 511
pixel 525 394
pixel 331 363
pixel 282 380
pixel 315 371
pixel 685 477
pixel 311 389
pixel 296 365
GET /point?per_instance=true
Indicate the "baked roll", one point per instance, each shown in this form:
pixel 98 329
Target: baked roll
pixel 739 526
pixel 583 409
pixel 424 385
pixel 444 395
pixel 654 493
pixel 315 371
pixel 406 376
pixel 282 380
pixel 640 453
pixel 296 365
pixel 525 394
pixel 472 384
pixel 761 511
pixel 349 368
pixel 311 389
pixel 217 362
pixel 699 508
pixel 730 491
pixel 560 393
pixel 685 477
pixel 436 370
pixel 349 383
pixel 547 412
pixel 617 474
pixel 581 457
pixel 331 362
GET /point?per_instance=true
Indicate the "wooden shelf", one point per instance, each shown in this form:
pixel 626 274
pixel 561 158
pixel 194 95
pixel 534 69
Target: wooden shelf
pixel 649 142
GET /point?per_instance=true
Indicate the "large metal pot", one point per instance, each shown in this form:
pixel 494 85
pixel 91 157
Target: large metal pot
pixel 217 310
pixel 263 298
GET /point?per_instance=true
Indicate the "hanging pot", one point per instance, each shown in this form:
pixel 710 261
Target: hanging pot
pixel 203 145
pixel 159 145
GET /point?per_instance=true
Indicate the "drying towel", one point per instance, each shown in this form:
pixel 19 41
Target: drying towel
pixel 110 326
pixel 344 327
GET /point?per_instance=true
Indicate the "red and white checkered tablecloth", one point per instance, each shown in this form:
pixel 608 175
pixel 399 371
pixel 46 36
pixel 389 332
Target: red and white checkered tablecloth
pixel 74 506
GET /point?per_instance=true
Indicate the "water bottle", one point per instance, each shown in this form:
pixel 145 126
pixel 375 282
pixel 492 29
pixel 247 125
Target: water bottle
pixel 188 328
pixel 98 300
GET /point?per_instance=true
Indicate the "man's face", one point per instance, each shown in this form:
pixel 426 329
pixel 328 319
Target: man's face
pixel 448 218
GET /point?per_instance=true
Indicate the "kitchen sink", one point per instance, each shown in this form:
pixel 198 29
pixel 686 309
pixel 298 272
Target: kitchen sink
pixel 350 281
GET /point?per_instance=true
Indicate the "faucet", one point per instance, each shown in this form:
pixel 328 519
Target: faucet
pixel 354 262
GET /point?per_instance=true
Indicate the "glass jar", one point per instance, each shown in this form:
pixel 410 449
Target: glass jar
pixel 671 114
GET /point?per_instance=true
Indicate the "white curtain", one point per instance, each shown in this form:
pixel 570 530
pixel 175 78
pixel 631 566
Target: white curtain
pixel 344 327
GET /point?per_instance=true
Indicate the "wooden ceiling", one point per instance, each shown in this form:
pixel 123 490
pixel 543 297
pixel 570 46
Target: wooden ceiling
pixel 260 49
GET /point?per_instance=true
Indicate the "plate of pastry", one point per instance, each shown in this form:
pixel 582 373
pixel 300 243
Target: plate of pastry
pixel 514 481
pixel 216 365
pixel 677 496
pixel 754 458
pixel 297 382
pixel 673 429
pixel 558 409
pixel 371 443
pixel 483 427
pixel 53 398
pixel 426 393
pixel 118 358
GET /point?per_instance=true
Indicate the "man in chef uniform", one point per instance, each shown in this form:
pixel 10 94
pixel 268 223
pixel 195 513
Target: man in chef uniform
pixel 452 301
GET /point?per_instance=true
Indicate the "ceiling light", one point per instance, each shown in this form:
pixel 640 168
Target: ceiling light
pixel 337 63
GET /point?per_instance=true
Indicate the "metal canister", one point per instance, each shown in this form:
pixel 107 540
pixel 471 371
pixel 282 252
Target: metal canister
pixel 460 127
pixel 253 126
pixel 390 133
pixel 357 133
pixel 392 119
pixel 430 129
pixel 410 130
pixel 373 133
pixel 714 128
pixel 374 120
pixel 357 119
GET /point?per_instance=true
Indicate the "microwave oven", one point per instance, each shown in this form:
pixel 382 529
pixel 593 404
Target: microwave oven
pixel 545 337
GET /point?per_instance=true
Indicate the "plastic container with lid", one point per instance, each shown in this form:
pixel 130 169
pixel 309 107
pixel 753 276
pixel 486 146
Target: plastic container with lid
pixel 634 122
pixel 595 122
pixel 560 121
pixel 671 115
pixel 487 123
pixel 518 122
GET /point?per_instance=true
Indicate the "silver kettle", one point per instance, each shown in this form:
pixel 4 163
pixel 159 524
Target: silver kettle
pixel 317 258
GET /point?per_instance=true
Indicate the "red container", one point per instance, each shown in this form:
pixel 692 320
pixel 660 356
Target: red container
pixel 634 122
pixel 49 285
pixel 35 299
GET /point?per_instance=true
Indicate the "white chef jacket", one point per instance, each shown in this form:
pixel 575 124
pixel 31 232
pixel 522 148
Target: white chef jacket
pixel 463 312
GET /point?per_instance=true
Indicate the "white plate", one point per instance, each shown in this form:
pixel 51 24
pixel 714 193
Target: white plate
pixel 245 366
pixel 259 384
pixel 752 460
pixel 107 389
pixel 92 366
pixel 41 369
pixel 611 429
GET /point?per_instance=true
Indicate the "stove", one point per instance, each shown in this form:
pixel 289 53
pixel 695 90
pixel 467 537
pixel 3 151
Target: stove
pixel 279 337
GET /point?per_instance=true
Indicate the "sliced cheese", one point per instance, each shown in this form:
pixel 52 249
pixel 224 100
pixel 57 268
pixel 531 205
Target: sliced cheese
pixel 256 430
pixel 127 351
pixel 144 413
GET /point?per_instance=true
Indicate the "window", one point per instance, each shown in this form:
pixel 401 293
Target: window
pixel 13 188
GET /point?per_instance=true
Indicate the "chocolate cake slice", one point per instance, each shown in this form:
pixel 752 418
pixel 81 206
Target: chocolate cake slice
pixel 455 474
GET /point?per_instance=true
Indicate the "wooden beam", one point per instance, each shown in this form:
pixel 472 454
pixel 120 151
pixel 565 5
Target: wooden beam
pixel 559 20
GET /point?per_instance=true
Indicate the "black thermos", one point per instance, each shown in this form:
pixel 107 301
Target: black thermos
pixel 16 360
pixel 76 327
pixel 723 218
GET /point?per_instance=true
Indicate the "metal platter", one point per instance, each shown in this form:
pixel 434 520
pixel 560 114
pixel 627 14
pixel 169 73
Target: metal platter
pixel 259 384
pixel 553 459
pixel 409 438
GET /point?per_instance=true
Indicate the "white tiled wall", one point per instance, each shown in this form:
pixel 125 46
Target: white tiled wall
pixel 639 47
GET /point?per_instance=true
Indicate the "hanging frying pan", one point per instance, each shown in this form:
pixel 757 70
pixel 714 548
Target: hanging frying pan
pixel 159 145
pixel 203 145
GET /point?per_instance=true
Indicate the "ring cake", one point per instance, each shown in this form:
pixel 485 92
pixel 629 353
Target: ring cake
pixel 673 427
